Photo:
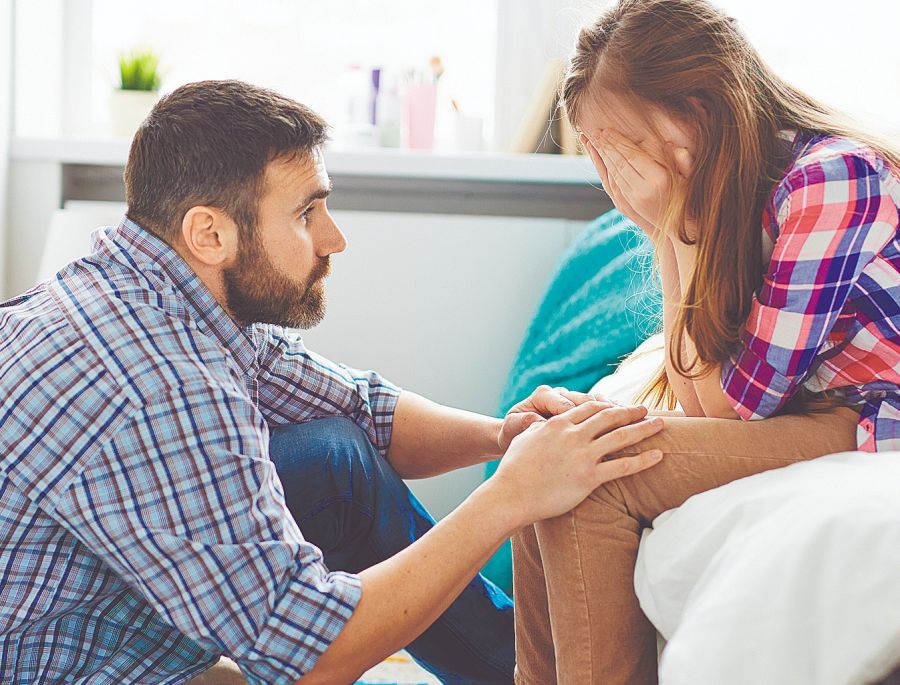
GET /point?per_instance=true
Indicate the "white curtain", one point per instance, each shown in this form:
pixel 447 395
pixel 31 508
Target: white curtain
pixel 843 53
pixel 6 70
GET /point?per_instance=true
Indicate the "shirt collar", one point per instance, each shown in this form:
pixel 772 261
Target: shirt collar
pixel 150 253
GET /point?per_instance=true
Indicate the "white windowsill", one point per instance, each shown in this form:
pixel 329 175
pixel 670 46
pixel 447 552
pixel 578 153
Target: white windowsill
pixel 375 162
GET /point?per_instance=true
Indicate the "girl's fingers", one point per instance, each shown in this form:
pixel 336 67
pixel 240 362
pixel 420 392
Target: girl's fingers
pixel 627 155
pixel 615 161
pixel 610 179
pixel 613 170
pixel 580 397
pixel 684 160
pixel 615 193
pixel 620 171
pixel 618 197
pixel 596 159
pixel 603 169
pixel 613 167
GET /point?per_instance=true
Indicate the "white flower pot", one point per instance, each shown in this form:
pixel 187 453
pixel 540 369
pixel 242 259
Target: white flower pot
pixel 128 108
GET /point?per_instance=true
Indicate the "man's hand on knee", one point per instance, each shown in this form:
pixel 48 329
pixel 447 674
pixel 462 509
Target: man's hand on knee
pixel 555 464
pixel 542 404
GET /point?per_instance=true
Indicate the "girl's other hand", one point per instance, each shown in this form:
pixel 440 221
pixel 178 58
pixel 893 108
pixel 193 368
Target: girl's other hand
pixel 610 186
pixel 637 182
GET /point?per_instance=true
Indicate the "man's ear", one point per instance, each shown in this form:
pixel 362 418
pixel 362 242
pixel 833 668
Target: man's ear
pixel 210 236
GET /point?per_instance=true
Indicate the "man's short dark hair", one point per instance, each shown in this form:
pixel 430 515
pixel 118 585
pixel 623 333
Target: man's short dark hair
pixel 208 143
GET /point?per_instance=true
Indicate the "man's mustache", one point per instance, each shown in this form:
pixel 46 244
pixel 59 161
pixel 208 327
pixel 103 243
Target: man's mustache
pixel 321 270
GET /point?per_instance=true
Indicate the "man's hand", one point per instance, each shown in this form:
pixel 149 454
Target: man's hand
pixel 556 463
pixel 548 470
pixel 543 403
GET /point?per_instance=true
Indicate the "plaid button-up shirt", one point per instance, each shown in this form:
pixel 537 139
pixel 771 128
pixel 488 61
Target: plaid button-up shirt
pixel 143 529
pixel 828 314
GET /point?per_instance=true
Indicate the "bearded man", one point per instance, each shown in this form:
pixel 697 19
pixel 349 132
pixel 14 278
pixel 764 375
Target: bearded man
pixel 180 479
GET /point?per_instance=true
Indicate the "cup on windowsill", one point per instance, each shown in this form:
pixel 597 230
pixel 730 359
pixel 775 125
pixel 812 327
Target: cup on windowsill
pixel 467 133
pixel 418 120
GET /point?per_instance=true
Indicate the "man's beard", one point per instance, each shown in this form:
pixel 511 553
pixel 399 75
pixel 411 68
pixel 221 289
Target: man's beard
pixel 257 292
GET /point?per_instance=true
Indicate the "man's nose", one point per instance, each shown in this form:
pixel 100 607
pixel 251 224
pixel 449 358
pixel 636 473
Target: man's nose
pixel 332 239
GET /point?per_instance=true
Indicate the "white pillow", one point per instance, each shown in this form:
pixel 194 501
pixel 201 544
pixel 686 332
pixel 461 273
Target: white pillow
pixel 788 577
pixel 633 374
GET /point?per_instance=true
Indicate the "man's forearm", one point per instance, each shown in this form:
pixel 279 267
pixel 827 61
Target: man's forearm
pixel 428 439
pixel 548 470
pixel 396 606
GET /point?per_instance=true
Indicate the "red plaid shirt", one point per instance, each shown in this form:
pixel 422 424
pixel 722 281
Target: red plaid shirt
pixel 828 314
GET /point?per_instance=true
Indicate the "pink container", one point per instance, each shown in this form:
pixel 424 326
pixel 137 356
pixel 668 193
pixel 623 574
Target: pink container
pixel 418 116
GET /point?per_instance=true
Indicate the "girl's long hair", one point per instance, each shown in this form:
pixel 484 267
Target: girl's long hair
pixel 692 61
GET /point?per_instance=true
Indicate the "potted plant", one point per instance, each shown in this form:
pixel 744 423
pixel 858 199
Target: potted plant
pixel 138 91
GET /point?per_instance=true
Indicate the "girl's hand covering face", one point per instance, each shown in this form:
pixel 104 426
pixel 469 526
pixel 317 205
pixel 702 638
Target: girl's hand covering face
pixel 638 184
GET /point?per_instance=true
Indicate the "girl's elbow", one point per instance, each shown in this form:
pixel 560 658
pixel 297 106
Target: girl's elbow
pixel 718 406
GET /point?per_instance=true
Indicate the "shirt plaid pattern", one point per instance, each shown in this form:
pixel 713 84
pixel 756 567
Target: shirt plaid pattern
pixel 143 529
pixel 828 314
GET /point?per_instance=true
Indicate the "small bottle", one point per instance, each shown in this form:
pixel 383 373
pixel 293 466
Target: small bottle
pixel 356 129
pixel 388 110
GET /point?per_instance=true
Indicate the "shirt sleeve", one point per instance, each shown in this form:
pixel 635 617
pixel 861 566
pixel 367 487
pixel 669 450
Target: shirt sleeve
pixel 834 217
pixel 296 385
pixel 185 506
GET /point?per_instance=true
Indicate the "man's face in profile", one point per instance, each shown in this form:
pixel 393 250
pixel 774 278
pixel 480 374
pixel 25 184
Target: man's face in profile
pixel 279 276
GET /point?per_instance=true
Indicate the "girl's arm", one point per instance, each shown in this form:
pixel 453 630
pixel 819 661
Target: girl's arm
pixel 835 215
pixel 671 290
pixel 637 185
pixel 707 390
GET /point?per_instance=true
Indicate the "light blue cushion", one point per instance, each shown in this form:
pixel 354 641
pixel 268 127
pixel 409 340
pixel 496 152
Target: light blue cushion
pixel 602 302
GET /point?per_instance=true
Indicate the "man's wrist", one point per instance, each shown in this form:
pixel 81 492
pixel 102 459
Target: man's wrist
pixel 494 430
pixel 506 509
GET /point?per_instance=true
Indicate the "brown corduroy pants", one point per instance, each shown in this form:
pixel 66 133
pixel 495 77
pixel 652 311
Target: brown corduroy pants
pixel 578 620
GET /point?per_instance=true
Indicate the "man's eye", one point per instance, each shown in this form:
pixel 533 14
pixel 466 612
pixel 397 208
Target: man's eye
pixel 304 215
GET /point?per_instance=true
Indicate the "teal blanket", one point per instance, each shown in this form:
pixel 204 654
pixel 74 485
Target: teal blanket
pixel 601 303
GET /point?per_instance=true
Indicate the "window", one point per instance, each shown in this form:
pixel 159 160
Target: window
pixel 494 51
pixel 841 52
pixel 301 49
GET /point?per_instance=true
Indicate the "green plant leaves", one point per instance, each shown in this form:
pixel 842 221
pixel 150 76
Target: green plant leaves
pixel 139 71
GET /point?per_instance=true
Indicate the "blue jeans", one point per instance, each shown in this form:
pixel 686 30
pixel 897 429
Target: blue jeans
pixel 349 502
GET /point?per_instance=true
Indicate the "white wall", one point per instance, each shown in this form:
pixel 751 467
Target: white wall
pixel 34 190
pixel 844 53
pixel 439 304
pixel 38 67
pixel 6 87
